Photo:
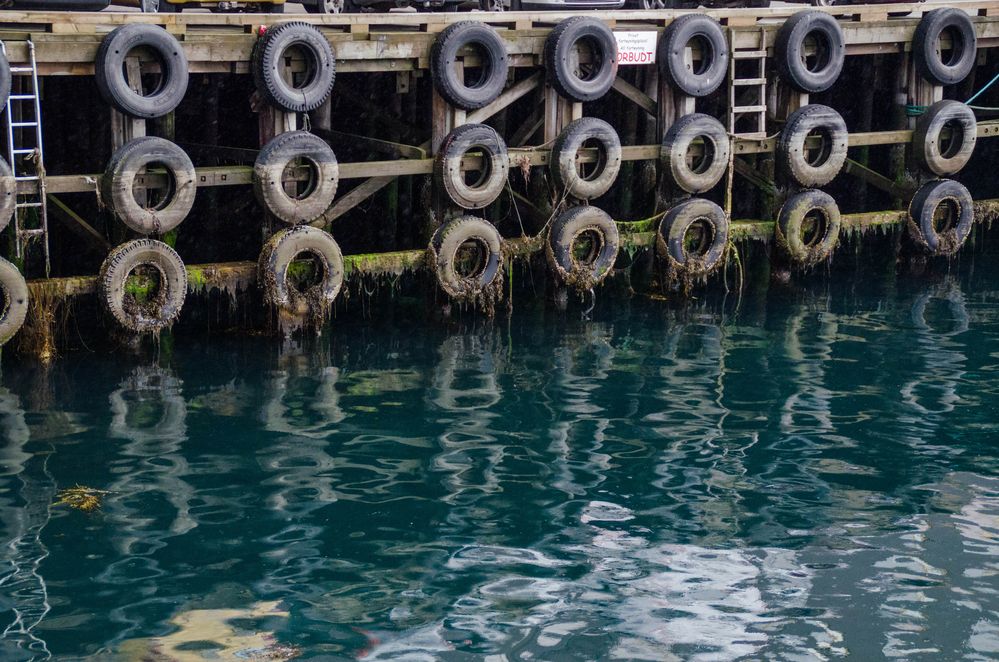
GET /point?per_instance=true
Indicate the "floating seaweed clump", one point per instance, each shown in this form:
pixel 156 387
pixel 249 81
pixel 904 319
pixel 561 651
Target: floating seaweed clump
pixel 87 499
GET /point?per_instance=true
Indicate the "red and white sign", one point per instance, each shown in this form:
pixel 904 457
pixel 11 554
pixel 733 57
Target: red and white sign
pixel 636 47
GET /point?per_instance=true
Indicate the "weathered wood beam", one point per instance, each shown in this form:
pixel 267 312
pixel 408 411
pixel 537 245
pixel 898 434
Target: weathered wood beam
pixel 632 93
pixel 79 226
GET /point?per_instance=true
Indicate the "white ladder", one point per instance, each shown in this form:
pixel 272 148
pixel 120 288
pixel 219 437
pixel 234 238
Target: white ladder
pixel 27 162
pixel 758 79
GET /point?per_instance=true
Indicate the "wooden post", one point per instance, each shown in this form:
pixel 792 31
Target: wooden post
pixel 123 127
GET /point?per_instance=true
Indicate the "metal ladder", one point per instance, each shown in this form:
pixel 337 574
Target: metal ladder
pixel 24 112
pixel 757 110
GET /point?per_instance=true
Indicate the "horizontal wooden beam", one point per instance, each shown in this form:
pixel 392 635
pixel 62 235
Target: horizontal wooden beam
pixel 208 276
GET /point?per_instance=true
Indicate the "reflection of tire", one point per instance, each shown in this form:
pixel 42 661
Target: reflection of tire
pixel 277 256
pixel 109 70
pixel 567 76
pixel 269 174
pixel 699 175
pixel 143 386
pixel 455 235
pixel 565 153
pixel 495 165
pixel 587 229
pixel 14 293
pixel 950 157
pixel 818 72
pixel 8 194
pixel 928 54
pixel 940 217
pixel 268 63
pixel 693 237
pixel 714 56
pixel 122 299
pixel 808 227
pixel 804 166
pixel 123 173
pixel 444 53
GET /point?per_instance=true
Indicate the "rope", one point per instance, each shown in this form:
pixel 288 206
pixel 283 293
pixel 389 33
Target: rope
pixel 914 110
pixel 985 87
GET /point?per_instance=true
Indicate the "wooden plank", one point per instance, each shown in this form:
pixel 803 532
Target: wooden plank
pixel 79 226
pixel 632 93
pixel 506 98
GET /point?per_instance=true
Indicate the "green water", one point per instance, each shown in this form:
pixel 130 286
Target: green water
pixel 814 474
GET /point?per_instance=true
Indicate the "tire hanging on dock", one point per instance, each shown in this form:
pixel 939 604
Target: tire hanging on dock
pixel 110 70
pixel 8 194
pixel 581 180
pixel 693 237
pixel 941 67
pixel 940 217
pixel 123 302
pixel 572 80
pixel 316 301
pixel 813 66
pixel 283 153
pixel 700 78
pixel 466 254
pixel 464 188
pixel 308 89
pixel 125 171
pixel 5 80
pixel 809 167
pixel 945 157
pixel 808 227
pixel 698 173
pixel 14 303
pixel 492 71
pixel 582 246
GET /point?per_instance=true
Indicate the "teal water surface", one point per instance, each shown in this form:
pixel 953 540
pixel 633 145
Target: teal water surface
pixel 813 476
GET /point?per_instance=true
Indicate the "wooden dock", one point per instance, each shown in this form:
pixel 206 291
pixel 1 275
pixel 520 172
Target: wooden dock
pixel 389 58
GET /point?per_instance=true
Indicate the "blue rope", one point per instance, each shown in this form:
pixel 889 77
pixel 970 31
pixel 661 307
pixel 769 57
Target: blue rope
pixel 987 86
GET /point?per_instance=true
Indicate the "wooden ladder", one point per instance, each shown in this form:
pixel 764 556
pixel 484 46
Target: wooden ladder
pixel 27 156
pixel 758 80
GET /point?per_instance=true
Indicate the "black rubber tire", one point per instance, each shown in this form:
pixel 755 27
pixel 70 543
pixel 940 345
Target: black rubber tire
pixel 804 246
pixel 714 65
pixel 447 166
pixel 791 145
pixel 154 315
pixel 120 176
pixel 444 53
pixel 566 229
pixel 790 45
pixel 167 7
pixel 674 227
pixel 110 77
pixel 14 297
pixel 8 194
pixel 559 48
pixel 268 175
pixel 922 211
pixel 565 152
pixel 268 60
pixel 676 144
pixel 928 58
pixel 444 247
pixel 5 79
pixel 926 139
pixel 272 271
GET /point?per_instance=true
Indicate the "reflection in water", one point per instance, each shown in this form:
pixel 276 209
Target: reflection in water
pixel 819 483
pixel 24 510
